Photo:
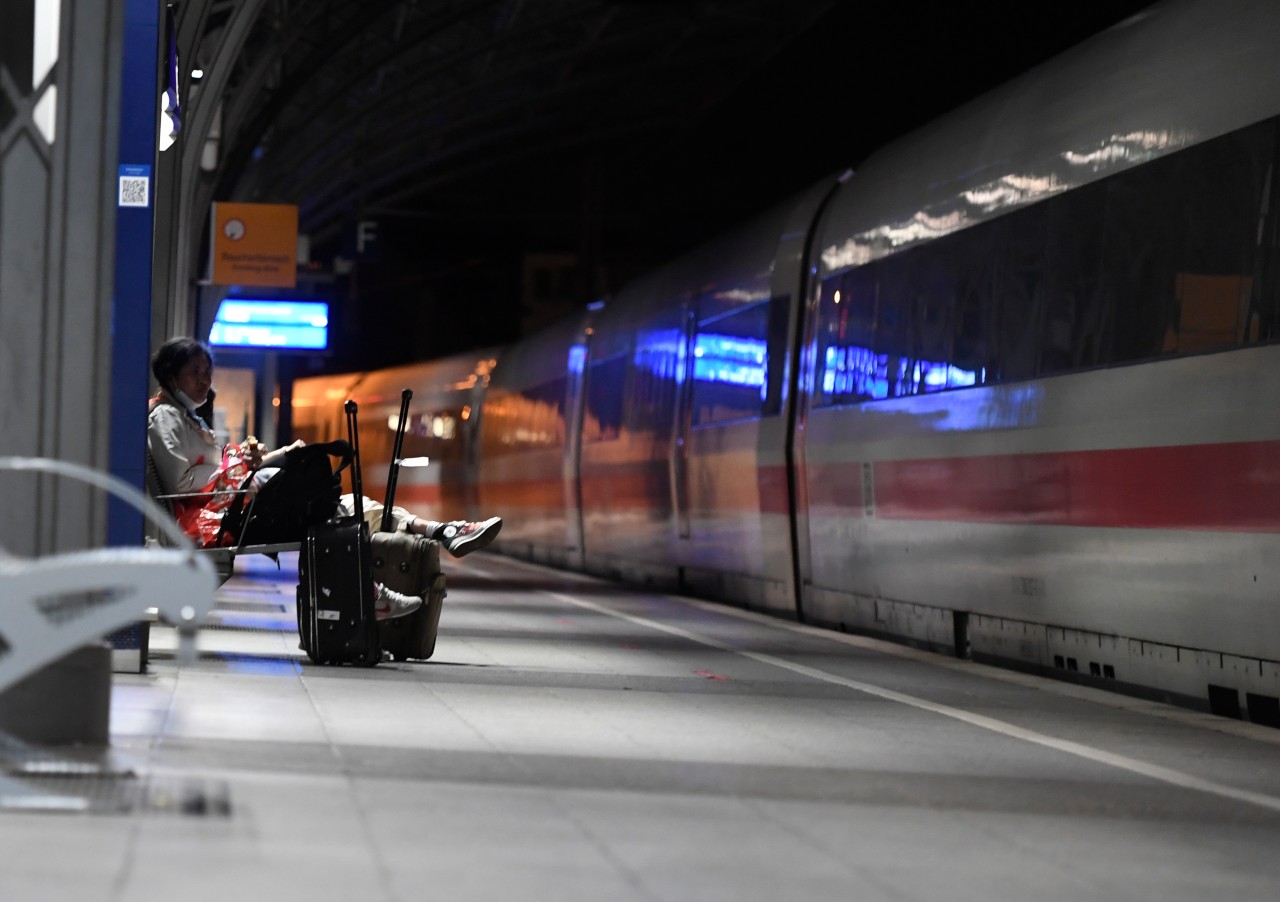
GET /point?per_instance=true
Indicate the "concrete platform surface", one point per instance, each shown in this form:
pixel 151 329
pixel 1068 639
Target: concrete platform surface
pixel 575 740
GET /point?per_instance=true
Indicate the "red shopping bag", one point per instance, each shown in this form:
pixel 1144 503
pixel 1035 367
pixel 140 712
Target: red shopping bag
pixel 201 518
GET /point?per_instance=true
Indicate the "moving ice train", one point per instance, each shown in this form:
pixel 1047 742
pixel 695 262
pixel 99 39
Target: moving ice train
pixel 1010 390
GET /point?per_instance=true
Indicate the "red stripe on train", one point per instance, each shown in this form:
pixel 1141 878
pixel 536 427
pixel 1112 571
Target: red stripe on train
pixel 1223 487
pixel 1218 487
pixel 647 488
pixel 409 495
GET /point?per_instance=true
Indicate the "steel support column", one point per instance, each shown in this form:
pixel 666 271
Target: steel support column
pixel 135 217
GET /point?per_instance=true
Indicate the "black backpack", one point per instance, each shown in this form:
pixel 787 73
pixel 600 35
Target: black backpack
pixel 304 492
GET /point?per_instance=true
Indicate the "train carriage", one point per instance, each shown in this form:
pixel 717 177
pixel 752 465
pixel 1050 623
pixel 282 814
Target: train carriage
pixel 1038 399
pixel 439 442
pixel 316 405
pixel 1007 391
pixel 693 364
pixel 529 439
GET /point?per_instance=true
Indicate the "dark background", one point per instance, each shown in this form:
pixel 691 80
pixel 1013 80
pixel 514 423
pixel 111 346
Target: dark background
pixel 483 264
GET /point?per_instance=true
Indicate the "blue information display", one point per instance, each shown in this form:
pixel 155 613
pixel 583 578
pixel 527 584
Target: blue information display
pixel 271 325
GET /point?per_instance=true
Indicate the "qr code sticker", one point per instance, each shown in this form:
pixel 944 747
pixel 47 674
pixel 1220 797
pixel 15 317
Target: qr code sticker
pixel 133 191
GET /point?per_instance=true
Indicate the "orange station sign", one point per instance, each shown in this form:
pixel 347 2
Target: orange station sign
pixel 255 244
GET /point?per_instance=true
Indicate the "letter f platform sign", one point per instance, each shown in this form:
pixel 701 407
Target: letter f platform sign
pixel 366 238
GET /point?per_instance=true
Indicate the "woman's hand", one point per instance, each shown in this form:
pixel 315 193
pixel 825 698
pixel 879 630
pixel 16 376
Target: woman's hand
pixel 276 457
pixel 252 449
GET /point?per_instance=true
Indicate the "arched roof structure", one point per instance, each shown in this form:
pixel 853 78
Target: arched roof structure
pixel 349 107
pixel 570 124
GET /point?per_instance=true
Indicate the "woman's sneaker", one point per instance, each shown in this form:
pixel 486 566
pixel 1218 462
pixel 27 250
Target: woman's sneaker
pixel 388 603
pixel 463 537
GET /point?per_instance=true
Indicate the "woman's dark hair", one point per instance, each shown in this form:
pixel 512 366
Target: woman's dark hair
pixel 173 355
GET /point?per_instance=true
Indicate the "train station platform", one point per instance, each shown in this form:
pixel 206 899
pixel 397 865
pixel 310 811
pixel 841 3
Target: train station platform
pixel 572 739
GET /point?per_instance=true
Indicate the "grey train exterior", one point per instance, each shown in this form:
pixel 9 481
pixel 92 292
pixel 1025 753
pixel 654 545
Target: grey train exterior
pixel 443 416
pixel 1007 391
pixel 1039 373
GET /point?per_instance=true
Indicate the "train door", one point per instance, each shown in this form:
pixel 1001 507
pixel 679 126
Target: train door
pixel 797 464
pixel 683 421
pixel 571 470
pixel 801 332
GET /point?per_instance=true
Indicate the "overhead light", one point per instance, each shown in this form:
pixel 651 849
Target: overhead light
pixel 197 74
pixel 415 461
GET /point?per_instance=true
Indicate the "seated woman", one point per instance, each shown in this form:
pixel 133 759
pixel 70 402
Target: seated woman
pixel 187 455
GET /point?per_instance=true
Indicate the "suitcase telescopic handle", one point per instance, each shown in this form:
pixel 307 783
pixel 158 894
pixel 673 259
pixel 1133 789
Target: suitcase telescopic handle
pixel 357 482
pixel 401 425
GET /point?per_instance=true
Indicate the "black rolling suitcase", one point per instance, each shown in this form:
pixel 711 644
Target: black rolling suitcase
pixel 335 583
pixel 409 564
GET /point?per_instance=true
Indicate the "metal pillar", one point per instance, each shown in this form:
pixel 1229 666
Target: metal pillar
pixel 58 138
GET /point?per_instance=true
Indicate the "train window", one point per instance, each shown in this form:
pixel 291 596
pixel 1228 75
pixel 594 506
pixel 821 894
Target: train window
pixel 1182 241
pixel 854 308
pixel 1179 255
pixel 543 409
pixel 730 361
pixel 848 367
pixel 653 389
pixel 1072 329
pixel 776 337
pixel 1016 294
pixel 606 389
pixel 548 396
pixel 973 318
pixel 892 328
pixel 532 417
pixel 1138 266
pixel 433 434
pixel 1262 319
pixel 932 330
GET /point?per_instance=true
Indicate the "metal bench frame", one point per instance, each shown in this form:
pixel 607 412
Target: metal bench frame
pixel 54 604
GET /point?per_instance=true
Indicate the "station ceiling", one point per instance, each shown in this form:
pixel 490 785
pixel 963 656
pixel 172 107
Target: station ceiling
pixel 461 108
pixel 618 132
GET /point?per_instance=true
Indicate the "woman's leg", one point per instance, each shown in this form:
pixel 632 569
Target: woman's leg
pixel 458 536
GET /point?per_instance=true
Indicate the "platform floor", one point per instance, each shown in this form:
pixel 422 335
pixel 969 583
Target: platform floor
pixel 575 740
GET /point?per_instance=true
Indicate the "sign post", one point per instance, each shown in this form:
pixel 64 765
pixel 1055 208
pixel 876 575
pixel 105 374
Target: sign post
pixel 135 225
